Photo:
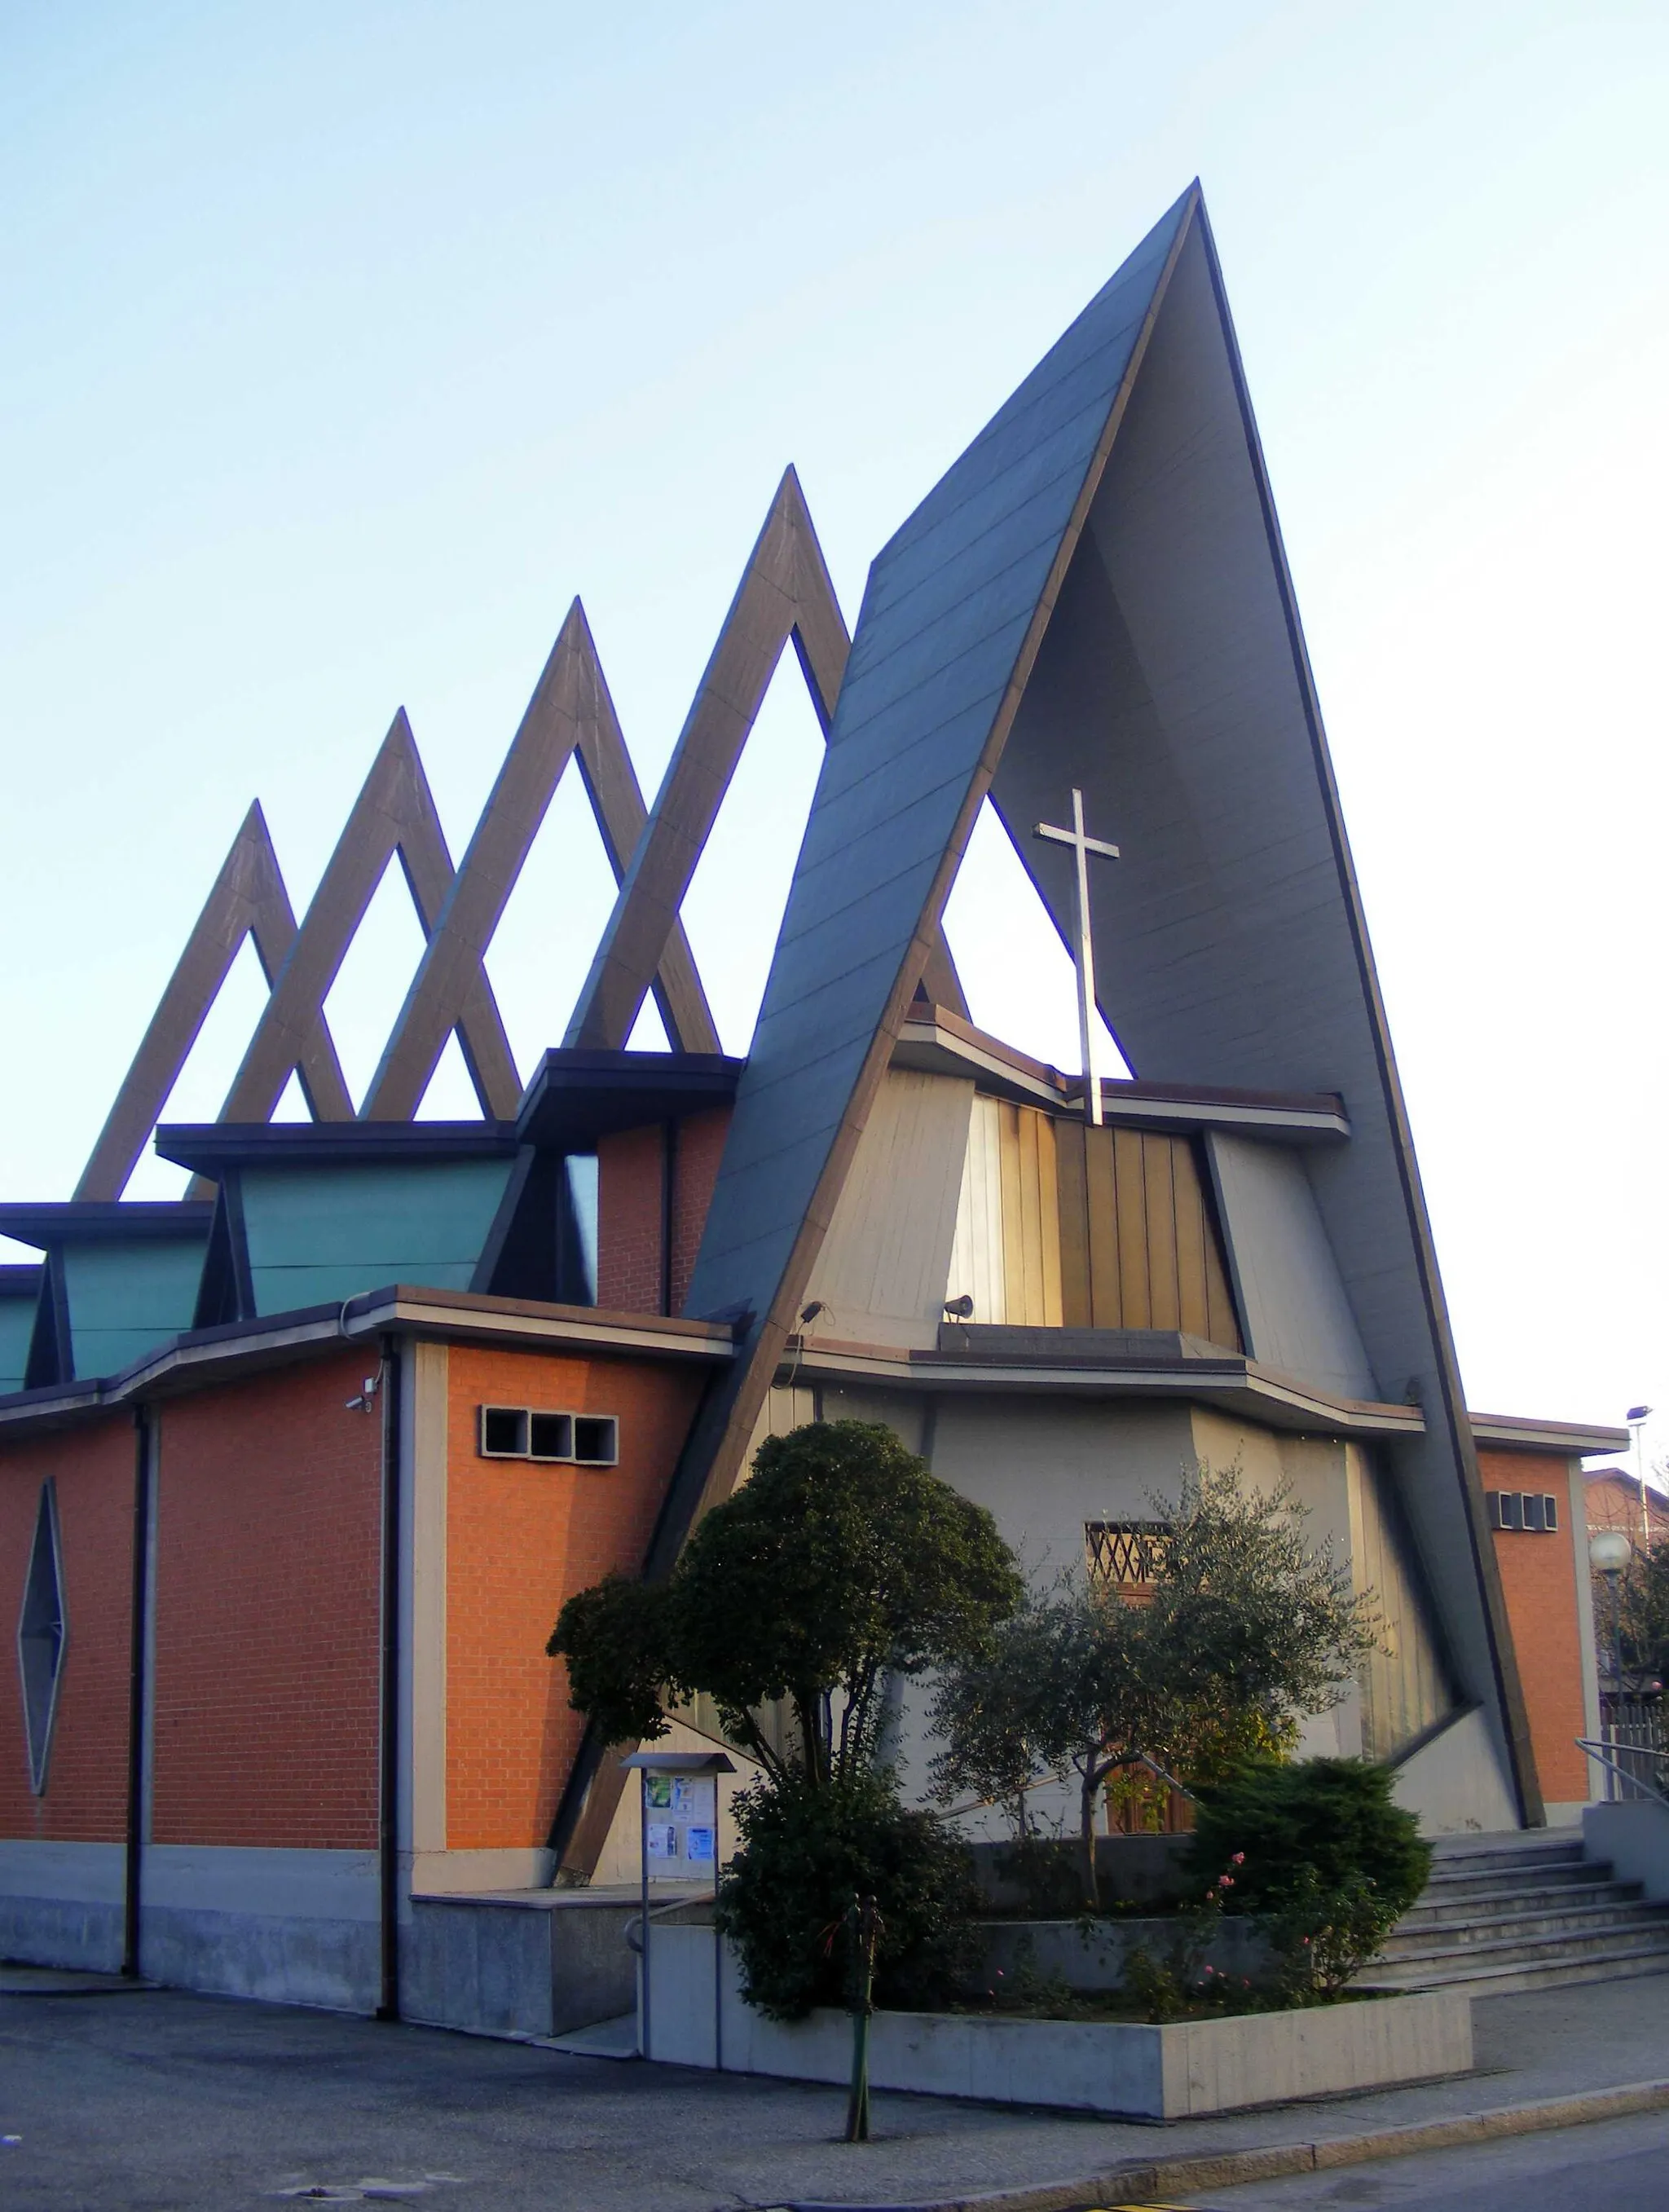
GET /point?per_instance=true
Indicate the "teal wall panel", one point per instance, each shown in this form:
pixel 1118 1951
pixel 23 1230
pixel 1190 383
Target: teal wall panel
pixel 316 1234
pixel 17 1320
pixel 126 1298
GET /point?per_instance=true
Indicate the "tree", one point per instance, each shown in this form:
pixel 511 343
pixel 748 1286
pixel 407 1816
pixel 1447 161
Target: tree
pixel 1642 1603
pixel 1243 1628
pixel 843 1560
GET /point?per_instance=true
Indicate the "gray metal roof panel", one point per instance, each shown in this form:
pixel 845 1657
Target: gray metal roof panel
pixel 951 602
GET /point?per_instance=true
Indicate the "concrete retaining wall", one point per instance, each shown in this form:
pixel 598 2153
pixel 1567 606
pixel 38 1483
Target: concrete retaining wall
pixel 61 1904
pixel 537 1963
pixel 1634 1838
pixel 1097 2066
pixel 1093 1955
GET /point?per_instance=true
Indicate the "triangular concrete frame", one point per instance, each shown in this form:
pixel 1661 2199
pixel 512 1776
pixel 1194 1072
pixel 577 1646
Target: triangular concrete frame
pixel 570 713
pixel 785 592
pixel 1096 594
pixel 394 815
pixel 248 900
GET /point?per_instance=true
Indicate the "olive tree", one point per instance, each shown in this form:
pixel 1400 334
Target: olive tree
pixel 1243 1628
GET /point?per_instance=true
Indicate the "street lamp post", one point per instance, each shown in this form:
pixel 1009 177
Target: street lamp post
pixel 1609 1552
pixel 1637 1417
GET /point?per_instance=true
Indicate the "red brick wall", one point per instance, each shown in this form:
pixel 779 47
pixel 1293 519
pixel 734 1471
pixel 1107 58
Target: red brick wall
pixel 630 1169
pixel 86 1796
pixel 520 1540
pixel 1539 1578
pixel 268 1612
pixel 701 1148
pixel 628 1221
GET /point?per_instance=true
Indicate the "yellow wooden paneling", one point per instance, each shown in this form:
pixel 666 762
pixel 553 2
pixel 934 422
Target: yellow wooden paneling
pixel 1076 1311
pixel 1164 1303
pixel 1106 1276
pixel 1129 1204
pixel 1193 1234
pixel 1061 1225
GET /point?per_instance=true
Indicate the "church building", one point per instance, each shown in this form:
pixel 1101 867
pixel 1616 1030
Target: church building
pixel 297 1471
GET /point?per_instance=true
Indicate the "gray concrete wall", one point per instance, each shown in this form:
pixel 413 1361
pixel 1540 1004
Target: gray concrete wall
pixel 540 1963
pixel 1634 1838
pixel 61 1904
pixel 294 1926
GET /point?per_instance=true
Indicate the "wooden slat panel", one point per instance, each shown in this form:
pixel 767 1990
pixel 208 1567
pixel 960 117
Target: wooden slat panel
pixel 1157 1153
pixel 976 1255
pixel 1048 1206
pixel 1193 1298
pixel 1107 1305
pixel 1031 1217
pixel 1073 1213
pixel 1131 1197
pixel 1013 1244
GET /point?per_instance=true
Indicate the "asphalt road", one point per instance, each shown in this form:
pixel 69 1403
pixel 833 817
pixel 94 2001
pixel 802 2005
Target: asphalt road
pixel 1616 2166
pixel 147 2100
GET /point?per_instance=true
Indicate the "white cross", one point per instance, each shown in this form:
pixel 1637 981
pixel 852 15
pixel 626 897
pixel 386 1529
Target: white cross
pixel 1082 845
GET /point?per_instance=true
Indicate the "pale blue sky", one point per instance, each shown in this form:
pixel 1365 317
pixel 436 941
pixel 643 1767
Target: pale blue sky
pixel 344 344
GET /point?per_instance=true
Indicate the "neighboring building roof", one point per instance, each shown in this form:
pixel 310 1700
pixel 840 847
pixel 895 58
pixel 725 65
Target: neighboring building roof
pixel 1517 1433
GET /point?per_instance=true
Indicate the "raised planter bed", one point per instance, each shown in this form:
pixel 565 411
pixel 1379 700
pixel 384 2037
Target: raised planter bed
pixel 1093 1954
pixel 1130 2069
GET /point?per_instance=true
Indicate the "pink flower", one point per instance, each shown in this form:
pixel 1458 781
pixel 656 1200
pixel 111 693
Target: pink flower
pixel 1239 1859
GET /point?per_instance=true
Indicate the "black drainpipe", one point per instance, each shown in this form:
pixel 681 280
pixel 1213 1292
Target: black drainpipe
pixel 388 1794
pixel 138 1651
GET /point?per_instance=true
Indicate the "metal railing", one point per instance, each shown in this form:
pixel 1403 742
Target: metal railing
pixel 1631 1749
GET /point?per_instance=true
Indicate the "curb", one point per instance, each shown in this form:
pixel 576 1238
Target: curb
pixel 1146 2180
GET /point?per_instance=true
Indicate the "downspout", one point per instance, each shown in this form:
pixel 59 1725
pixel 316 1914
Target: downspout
pixel 388 1791
pixel 137 1690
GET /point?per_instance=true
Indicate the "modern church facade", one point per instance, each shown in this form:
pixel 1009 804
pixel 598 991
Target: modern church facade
pixel 296 1472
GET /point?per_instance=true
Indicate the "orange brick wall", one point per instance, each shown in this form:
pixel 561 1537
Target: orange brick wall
pixel 1539 1578
pixel 269 1545
pixel 86 1796
pixel 520 1540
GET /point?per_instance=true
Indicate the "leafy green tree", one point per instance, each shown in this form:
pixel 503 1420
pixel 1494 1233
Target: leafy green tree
pixel 1642 1602
pixel 843 1560
pixel 1243 1628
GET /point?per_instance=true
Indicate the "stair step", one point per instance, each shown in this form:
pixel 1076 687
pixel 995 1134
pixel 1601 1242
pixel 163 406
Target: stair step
pixel 1549 1896
pixel 1577 1874
pixel 1583 1920
pixel 1416 1968
pixel 1543 1851
pixel 1509 1980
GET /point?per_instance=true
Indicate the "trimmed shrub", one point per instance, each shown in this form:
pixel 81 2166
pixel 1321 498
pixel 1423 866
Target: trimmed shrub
pixel 806 1852
pixel 1322 1849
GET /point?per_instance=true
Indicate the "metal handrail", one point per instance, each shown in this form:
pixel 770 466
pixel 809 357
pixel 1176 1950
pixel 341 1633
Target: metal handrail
pixel 1602 1752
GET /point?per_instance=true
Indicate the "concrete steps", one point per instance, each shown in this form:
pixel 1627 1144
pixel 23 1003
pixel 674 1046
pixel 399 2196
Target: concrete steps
pixel 1502 1915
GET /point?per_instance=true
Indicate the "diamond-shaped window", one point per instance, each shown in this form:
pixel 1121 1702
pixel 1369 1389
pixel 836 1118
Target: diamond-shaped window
pixel 43 1633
